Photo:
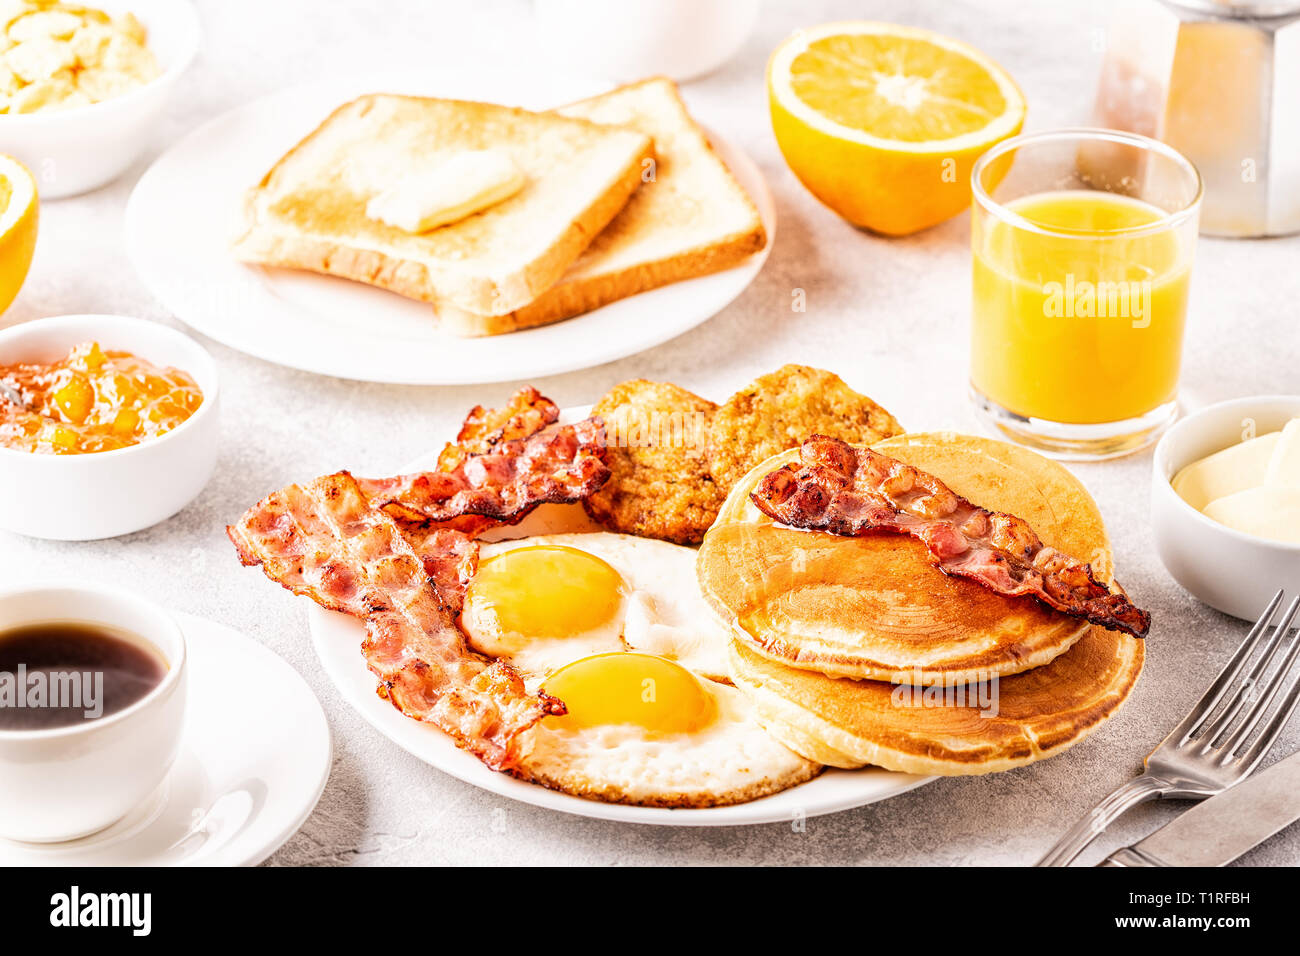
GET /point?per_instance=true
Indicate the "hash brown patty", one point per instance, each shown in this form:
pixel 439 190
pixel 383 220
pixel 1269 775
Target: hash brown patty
pixel 779 410
pixel 660 485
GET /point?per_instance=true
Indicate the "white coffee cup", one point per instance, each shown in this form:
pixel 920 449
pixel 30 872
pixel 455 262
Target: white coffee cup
pixel 62 783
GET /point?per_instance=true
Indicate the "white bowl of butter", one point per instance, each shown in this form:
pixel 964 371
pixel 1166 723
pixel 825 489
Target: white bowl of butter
pixel 79 106
pixel 1225 502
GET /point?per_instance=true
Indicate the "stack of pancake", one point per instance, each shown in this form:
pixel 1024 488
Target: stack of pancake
pixel 837 639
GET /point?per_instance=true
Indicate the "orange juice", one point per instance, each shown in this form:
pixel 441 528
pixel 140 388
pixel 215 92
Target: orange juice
pixel 1081 322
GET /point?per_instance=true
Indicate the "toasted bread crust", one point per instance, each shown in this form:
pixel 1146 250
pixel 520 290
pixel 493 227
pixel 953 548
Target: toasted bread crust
pixel 566 299
pixel 266 242
pixel 589 285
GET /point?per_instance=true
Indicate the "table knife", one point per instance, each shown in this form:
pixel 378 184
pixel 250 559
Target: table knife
pixel 1222 828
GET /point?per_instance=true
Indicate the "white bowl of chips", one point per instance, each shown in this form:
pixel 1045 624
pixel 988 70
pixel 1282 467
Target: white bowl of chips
pixel 82 86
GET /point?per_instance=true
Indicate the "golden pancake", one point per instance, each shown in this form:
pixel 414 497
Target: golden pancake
pixel 1017 720
pixel 874 607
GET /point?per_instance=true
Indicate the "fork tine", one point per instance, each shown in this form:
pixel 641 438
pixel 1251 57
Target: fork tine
pixel 1205 706
pixel 1273 729
pixel 1248 688
pixel 1275 684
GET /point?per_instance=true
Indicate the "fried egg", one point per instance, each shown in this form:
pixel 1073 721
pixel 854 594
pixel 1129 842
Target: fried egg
pixel 645 730
pixel 615 626
pixel 544 601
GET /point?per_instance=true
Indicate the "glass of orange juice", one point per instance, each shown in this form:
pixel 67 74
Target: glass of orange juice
pixel 1083 243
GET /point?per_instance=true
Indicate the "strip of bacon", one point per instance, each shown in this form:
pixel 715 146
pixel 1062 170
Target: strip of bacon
pixel 527 413
pixel 450 559
pixel 851 492
pixel 561 463
pixel 484 429
pixel 325 540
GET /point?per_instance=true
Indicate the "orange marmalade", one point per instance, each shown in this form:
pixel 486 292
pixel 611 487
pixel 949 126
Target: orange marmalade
pixel 93 401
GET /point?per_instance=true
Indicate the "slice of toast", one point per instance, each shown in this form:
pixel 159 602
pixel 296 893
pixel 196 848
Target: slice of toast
pixel 692 218
pixel 309 211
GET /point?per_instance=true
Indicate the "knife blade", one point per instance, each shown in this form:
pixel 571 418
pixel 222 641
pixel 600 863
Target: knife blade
pixel 1222 828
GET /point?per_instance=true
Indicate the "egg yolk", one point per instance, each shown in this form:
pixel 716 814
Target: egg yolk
pixel 547 591
pixel 628 688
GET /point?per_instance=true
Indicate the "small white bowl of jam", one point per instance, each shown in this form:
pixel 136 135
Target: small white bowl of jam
pixel 117 428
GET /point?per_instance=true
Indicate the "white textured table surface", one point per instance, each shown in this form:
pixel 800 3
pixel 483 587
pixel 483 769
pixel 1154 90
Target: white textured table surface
pixel 889 315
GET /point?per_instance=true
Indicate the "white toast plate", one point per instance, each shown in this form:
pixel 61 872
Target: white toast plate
pixel 187 206
pixel 337 639
pixel 254 759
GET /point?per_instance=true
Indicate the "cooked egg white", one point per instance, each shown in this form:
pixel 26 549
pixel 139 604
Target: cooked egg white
pixel 545 601
pixel 615 626
pixel 642 729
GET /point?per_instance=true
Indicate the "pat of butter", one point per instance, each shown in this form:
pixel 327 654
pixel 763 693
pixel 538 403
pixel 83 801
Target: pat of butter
pixel 466 183
pixel 1284 466
pixel 1226 472
pixel 1266 512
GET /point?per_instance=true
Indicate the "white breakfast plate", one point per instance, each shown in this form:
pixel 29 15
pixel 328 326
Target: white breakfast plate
pixel 186 207
pixel 337 639
pixel 254 760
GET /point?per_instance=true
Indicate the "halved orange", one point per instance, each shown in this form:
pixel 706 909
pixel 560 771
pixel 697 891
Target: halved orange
pixel 883 122
pixel 18 218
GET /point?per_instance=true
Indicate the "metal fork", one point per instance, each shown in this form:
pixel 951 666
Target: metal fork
pixel 1206 754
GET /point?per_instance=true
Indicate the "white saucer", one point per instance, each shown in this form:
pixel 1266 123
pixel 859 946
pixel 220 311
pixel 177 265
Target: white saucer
pixel 253 763
pixel 178 235
pixel 337 639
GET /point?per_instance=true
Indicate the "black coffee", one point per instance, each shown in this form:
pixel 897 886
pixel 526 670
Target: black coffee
pixel 53 675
